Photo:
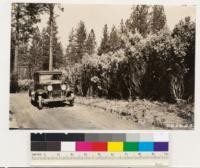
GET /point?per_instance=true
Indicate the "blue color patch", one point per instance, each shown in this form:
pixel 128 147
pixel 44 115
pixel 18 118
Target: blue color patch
pixel 146 146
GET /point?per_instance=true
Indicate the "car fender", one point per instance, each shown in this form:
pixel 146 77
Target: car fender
pixel 69 91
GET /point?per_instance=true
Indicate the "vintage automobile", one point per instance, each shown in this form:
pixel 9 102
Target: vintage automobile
pixel 50 86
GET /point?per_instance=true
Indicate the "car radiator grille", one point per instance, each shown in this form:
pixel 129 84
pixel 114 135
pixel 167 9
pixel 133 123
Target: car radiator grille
pixel 56 94
pixel 56 87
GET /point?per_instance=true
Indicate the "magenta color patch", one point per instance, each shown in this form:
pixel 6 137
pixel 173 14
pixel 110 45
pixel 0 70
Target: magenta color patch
pixel 83 146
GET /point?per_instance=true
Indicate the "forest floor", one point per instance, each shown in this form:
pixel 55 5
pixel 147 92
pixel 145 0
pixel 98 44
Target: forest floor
pixel 151 114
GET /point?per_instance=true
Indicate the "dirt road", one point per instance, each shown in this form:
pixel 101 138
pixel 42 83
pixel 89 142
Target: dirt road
pixel 24 115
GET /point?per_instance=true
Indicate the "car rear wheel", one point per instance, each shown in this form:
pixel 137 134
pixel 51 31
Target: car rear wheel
pixel 40 105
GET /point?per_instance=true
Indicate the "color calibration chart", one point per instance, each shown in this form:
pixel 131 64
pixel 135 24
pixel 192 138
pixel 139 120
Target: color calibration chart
pixel 100 149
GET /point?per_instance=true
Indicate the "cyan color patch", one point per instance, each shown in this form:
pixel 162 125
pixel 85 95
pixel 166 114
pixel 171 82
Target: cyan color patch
pixel 146 146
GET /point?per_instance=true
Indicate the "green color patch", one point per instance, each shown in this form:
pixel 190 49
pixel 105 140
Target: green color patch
pixel 130 146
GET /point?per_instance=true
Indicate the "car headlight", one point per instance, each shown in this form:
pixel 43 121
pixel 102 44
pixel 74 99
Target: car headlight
pixel 63 87
pixel 49 88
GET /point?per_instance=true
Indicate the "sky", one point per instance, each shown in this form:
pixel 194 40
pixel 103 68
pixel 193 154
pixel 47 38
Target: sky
pixel 96 16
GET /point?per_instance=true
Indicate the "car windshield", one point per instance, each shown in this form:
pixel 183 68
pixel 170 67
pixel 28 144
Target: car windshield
pixel 50 78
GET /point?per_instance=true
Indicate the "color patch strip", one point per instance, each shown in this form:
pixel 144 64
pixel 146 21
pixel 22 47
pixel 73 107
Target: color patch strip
pixel 68 146
pixel 64 137
pixel 39 146
pixel 132 137
pixel 83 146
pixel 146 146
pixel 92 137
pixel 101 137
pixel 131 146
pixel 161 137
pixel 99 142
pixel 161 146
pixel 105 137
pixel 37 137
pixel 146 137
pixel 118 138
pixel 115 146
pixel 54 146
pixel 99 146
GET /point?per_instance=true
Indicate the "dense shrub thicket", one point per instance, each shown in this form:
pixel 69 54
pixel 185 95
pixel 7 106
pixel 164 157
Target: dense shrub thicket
pixel 155 66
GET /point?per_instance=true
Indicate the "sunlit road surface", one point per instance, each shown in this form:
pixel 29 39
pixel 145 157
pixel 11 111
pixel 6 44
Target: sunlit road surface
pixel 23 115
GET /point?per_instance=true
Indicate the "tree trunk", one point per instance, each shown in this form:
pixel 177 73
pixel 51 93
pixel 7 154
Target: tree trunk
pixel 177 87
pixel 15 66
pixel 51 7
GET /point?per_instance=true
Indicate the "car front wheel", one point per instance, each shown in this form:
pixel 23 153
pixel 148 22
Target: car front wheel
pixel 40 105
pixel 32 102
pixel 71 103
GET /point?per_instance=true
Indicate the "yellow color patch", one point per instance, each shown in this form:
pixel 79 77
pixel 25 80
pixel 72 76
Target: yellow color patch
pixel 115 146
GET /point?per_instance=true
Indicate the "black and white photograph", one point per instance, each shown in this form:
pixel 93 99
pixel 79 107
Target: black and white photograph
pixel 102 67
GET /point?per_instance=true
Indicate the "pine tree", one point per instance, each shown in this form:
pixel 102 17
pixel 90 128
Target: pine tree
pixel 58 56
pixel 114 40
pixel 45 50
pixel 138 20
pixel 51 20
pixel 91 43
pixel 50 9
pixel 76 47
pixel 122 28
pixel 123 34
pixel 35 57
pixel 71 48
pixel 81 36
pixel 104 46
pixel 157 18
pixel 24 18
pixel 57 51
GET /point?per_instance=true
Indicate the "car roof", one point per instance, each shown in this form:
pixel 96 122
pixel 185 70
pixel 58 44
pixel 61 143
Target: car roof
pixel 47 72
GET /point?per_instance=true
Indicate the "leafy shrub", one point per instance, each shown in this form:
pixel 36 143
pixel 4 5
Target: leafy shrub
pixel 23 85
pixel 165 70
pixel 151 67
